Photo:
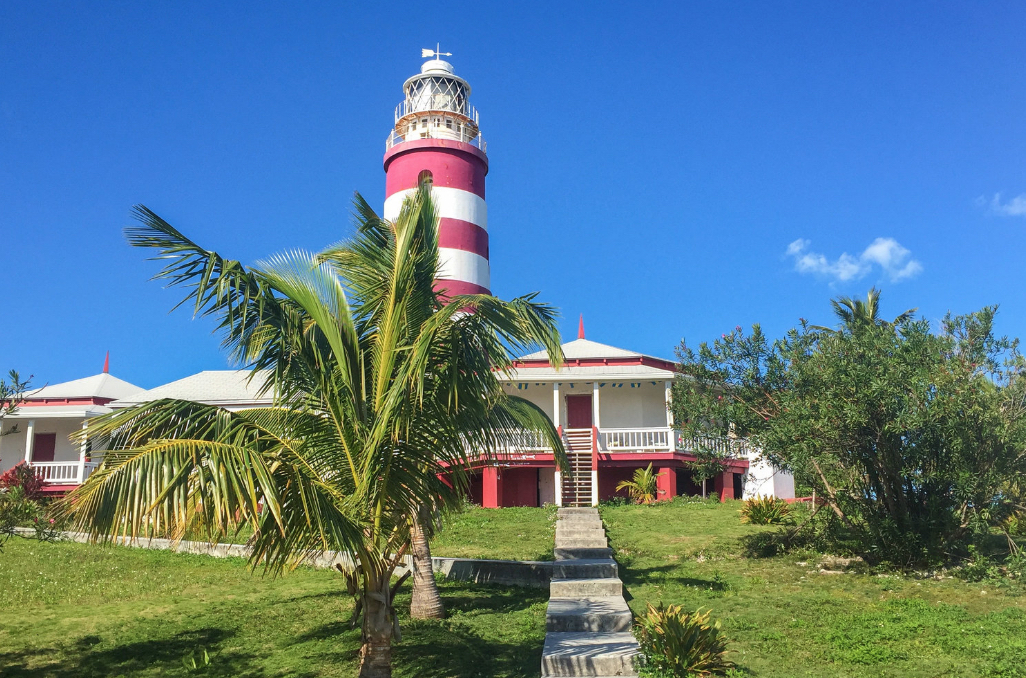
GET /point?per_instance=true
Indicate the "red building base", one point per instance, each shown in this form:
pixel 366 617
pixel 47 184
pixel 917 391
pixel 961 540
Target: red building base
pixel 516 484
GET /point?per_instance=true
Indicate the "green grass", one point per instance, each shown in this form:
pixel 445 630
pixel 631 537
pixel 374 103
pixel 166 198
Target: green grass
pixel 498 534
pixel 79 610
pixel 783 618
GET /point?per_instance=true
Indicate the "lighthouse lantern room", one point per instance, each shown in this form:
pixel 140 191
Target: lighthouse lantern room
pixel 436 142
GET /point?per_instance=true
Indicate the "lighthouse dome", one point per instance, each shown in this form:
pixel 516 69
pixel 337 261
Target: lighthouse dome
pixel 436 65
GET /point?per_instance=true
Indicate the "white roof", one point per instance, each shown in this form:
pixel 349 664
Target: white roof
pixel 215 387
pixel 585 348
pixel 97 386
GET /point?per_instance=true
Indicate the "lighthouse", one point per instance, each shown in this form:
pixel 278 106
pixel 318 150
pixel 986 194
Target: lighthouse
pixel 436 142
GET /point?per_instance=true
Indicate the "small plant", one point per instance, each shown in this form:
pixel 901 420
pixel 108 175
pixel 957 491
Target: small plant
pixel 15 511
pixel 197 659
pixel 678 643
pixel 765 511
pixel 21 475
pixel 643 488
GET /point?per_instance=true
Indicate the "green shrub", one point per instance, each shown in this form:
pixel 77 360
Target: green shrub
pixel 678 643
pixel 765 511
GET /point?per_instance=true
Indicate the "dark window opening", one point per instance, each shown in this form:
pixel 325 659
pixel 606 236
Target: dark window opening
pixel 425 179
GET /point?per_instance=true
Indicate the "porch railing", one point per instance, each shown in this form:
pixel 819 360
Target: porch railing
pixel 62 472
pixel 717 444
pixel 526 441
pixel 634 439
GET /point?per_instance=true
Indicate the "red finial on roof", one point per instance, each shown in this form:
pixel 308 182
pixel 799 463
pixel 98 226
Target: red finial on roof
pixel 106 363
pixel 580 328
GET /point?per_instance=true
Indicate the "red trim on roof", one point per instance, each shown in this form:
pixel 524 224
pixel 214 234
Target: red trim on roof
pixel 645 360
pixel 38 402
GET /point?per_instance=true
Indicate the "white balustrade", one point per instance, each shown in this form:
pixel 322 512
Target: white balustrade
pixel 527 441
pixel 62 472
pixel 634 439
pixel 717 444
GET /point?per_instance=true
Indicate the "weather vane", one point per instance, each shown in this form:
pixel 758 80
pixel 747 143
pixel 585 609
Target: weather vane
pixel 435 53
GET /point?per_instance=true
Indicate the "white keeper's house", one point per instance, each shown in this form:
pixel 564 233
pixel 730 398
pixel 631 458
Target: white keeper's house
pixel 39 431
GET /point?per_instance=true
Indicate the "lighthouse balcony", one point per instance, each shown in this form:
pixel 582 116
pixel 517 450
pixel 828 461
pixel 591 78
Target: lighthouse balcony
pixel 462 133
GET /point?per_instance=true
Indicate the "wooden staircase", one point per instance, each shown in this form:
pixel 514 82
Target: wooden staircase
pixel 576 485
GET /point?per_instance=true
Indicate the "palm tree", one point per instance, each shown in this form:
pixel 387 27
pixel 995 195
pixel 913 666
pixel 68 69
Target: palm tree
pixel 643 488
pixel 855 313
pixel 383 396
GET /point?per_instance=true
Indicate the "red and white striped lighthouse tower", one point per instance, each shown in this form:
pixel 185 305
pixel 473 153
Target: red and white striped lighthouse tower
pixel 436 141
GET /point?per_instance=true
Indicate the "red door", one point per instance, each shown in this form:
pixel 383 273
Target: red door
pixel 578 411
pixel 43 446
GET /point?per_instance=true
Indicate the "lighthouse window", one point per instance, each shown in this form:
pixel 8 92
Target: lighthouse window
pixel 448 123
pixel 414 125
pixel 424 122
pixel 425 179
pixel 438 122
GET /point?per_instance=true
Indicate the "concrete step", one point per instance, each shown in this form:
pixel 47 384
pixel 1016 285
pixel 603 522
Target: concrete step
pixel 583 524
pixel 583 568
pixel 584 588
pixel 589 654
pixel 581 552
pixel 576 511
pixel 575 533
pixel 609 614
pixel 580 522
pixel 580 542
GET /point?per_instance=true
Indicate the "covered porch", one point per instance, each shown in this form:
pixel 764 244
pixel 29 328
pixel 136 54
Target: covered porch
pixel 40 437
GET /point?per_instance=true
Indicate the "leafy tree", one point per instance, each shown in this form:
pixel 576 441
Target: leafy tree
pixel 910 436
pixel 12 394
pixel 643 488
pixel 383 395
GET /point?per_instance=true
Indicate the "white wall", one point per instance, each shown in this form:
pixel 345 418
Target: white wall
pixel 539 395
pixel 547 485
pixel 643 406
pixel 765 480
pixel 640 407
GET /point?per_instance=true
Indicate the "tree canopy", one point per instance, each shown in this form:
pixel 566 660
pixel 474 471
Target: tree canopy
pixel 914 438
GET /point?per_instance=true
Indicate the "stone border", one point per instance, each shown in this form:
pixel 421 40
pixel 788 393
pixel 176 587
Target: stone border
pixel 508 572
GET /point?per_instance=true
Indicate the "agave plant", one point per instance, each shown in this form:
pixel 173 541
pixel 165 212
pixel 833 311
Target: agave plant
pixel 643 488
pixel 765 511
pixel 383 395
pixel 682 644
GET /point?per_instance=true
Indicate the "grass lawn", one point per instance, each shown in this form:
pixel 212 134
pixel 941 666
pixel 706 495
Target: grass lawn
pixel 783 618
pixel 498 534
pixel 79 610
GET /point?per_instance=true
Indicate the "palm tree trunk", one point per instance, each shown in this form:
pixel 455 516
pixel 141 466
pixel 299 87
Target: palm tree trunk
pixel 426 602
pixel 378 627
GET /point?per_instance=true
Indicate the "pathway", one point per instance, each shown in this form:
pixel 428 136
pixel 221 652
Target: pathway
pixel 588 623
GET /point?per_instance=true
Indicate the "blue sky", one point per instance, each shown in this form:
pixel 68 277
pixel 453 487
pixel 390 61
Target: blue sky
pixel 668 170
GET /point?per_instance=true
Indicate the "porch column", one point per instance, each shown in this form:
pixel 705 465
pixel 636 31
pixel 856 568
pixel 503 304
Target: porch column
pixel 83 448
pixel 491 490
pixel 725 485
pixel 555 405
pixel 30 436
pixel 666 482
pixel 595 424
pixel 558 479
pixel 672 442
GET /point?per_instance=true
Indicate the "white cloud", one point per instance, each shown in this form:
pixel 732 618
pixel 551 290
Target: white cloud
pixel 885 253
pixel 1016 207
